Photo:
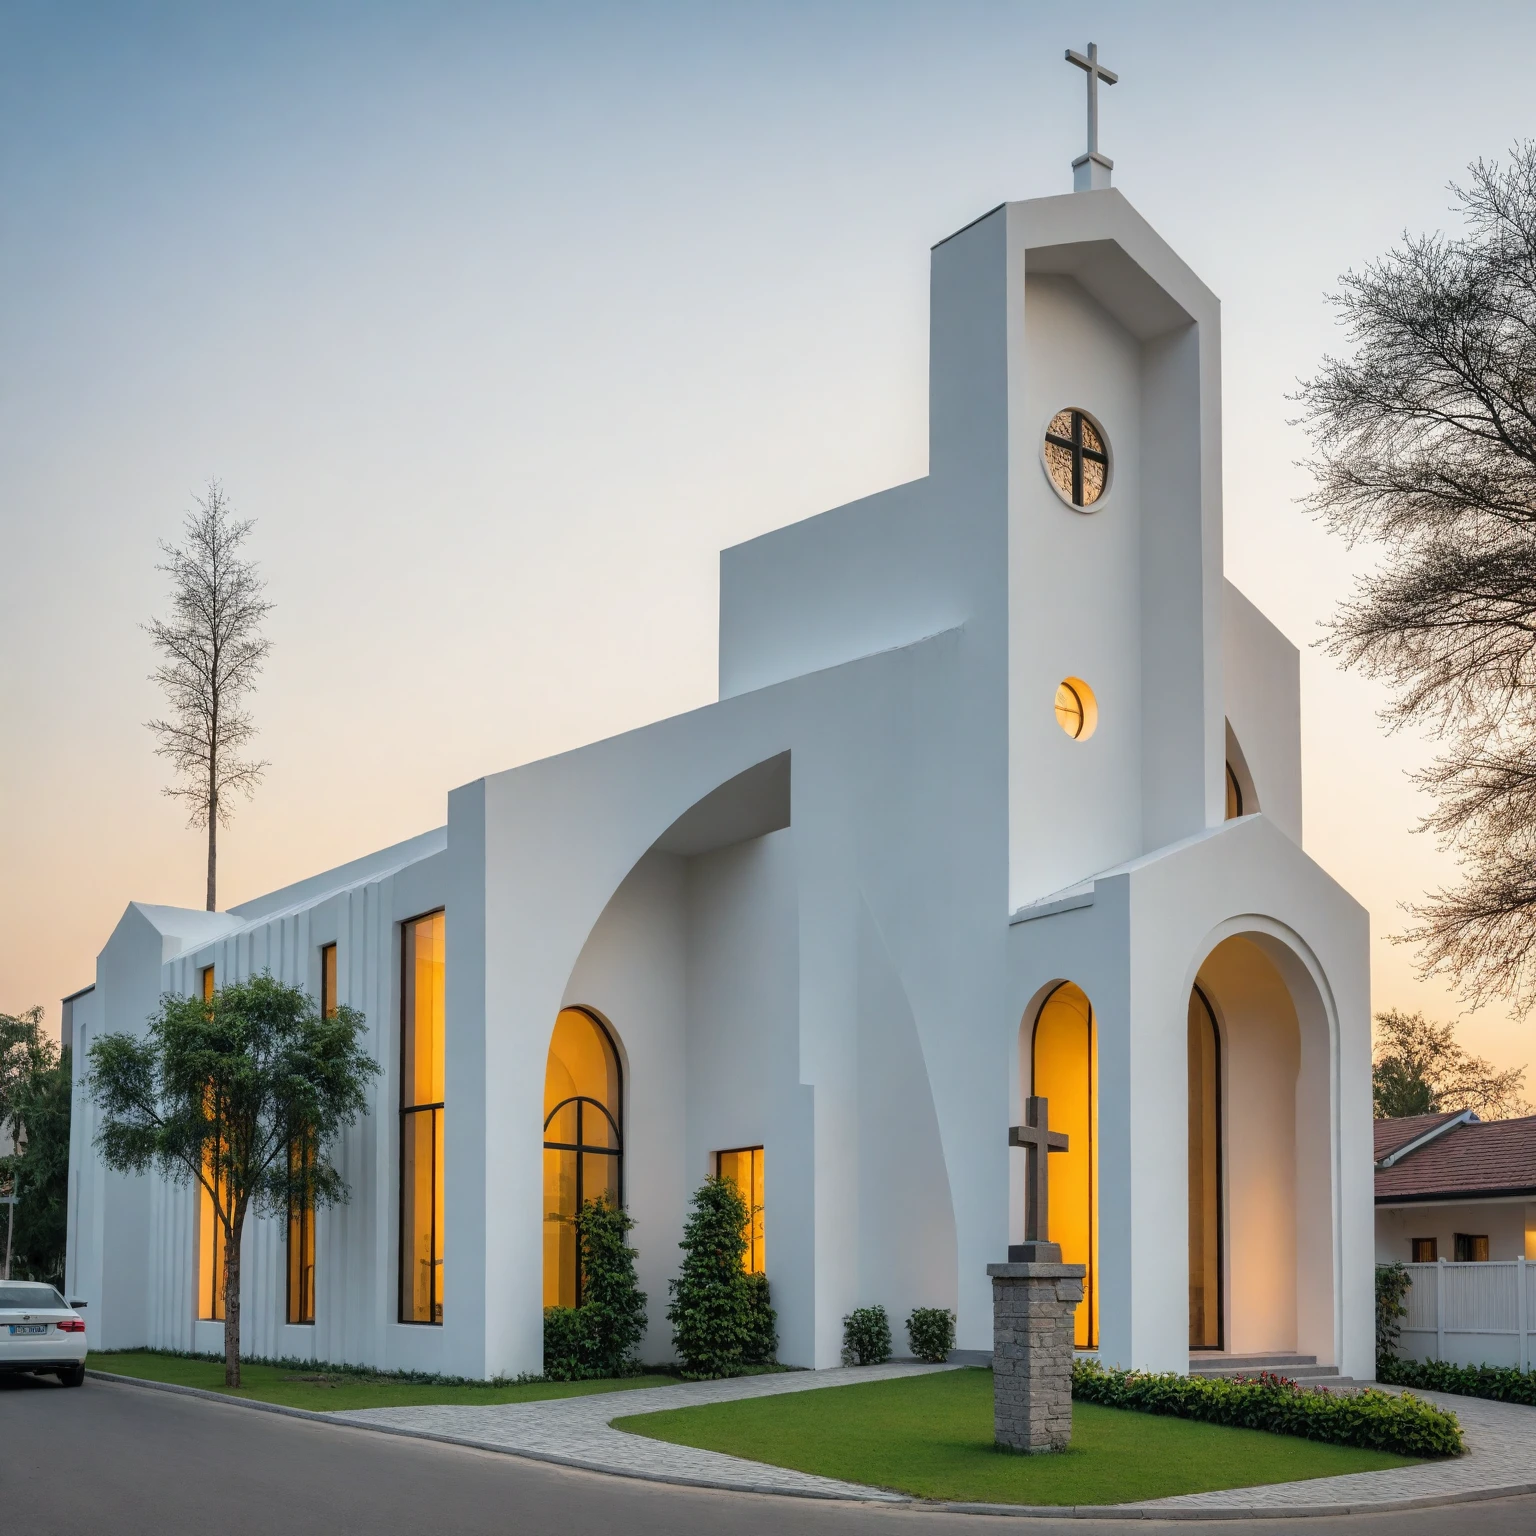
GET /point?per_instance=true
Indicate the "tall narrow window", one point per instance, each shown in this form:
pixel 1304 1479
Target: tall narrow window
pixel 422 990
pixel 210 1237
pixel 583 1142
pixel 1205 1226
pixel 301 1234
pixel 1065 1057
pixel 301 1162
pixel 1234 795
pixel 210 1231
pixel 743 1166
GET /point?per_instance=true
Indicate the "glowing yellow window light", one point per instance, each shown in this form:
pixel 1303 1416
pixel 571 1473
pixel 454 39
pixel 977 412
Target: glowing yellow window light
pixel 1066 1074
pixel 744 1167
pixel 1077 710
pixel 583 1145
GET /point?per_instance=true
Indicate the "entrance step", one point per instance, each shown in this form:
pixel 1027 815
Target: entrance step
pixel 1297 1367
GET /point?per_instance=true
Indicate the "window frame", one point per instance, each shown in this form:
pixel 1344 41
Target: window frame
pixel 1432 1243
pixel 751 1257
pixel 434 1297
pixel 579 1147
pixel 1464 1246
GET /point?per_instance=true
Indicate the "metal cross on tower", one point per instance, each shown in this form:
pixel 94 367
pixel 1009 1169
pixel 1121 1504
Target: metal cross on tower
pixel 1090 171
pixel 1038 1140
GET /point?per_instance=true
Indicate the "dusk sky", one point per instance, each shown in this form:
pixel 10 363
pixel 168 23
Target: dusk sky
pixel 503 320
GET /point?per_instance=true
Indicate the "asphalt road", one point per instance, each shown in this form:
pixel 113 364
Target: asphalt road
pixel 127 1460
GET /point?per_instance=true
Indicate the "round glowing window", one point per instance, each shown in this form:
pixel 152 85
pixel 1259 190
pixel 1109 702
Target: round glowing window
pixel 1077 711
pixel 1076 455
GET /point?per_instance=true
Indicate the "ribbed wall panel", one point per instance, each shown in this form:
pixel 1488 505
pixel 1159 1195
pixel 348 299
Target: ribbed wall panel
pixel 354 1282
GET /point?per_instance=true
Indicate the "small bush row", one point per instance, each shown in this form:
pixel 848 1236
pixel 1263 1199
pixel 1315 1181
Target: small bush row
pixel 1503 1383
pixel 1372 1420
pixel 867 1335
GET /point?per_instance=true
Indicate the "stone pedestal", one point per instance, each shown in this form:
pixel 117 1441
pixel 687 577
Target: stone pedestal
pixel 1033 1310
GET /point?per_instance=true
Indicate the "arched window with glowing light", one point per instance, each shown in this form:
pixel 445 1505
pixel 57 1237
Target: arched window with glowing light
pixel 1065 1066
pixel 583 1142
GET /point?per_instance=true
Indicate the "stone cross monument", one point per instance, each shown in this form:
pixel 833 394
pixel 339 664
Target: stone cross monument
pixel 1034 1302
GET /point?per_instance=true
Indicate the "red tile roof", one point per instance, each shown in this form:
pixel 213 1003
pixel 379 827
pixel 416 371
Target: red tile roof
pixel 1488 1157
pixel 1392 1134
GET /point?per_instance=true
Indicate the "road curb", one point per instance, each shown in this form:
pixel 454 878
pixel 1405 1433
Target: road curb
pixel 1150 1511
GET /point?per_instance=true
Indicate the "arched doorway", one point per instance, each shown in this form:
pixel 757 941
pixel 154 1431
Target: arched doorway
pixel 1206 1311
pixel 1064 1059
pixel 583 1141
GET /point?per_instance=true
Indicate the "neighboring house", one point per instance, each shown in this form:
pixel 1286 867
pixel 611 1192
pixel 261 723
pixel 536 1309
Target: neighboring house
pixel 1454 1187
pixel 1001 796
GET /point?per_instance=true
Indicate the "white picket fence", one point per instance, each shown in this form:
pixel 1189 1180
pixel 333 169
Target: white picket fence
pixel 1471 1314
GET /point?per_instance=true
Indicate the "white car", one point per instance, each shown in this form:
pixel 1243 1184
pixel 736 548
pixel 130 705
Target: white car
pixel 40 1332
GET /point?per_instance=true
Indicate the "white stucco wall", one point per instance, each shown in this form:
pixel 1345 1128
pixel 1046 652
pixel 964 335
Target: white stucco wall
pixel 840 982
pixel 1262 679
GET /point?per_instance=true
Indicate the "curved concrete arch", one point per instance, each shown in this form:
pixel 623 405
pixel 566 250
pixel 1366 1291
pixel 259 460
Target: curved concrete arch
pixel 1315 1148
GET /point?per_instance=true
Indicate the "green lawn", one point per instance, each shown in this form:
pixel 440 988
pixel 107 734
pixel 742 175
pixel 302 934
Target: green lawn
pixel 335 1391
pixel 932 1436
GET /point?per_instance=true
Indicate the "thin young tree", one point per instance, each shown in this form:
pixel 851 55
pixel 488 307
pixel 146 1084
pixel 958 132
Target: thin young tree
pixel 213 649
pixel 1424 444
pixel 244 1095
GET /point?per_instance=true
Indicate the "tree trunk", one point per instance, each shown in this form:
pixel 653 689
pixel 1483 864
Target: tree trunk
pixel 232 1300
pixel 213 854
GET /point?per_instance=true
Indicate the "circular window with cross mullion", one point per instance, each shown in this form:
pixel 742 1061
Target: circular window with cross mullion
pixel 1076 458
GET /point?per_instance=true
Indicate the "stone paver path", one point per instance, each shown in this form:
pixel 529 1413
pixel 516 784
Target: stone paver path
pixel 575 1431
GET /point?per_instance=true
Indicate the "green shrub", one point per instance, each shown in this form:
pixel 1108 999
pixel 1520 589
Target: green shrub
pixel 931 1333
pixel 567 1346
pixel 866 1337
pixel 598 1338
pixel 1392 1283
pixel 720 1317
pixel 1374 1421
pixel 763 1335
pixel 1502 1383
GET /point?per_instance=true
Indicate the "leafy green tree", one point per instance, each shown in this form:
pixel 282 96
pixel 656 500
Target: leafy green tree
pixel 40 1173
pixel 1421 1069
pixel 34 1122
pixel 222 1093
pixel 720 1316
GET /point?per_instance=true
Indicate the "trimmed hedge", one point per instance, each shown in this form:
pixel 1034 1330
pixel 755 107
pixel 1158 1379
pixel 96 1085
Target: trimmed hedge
pixel 1503 1383
pixel 1374 1421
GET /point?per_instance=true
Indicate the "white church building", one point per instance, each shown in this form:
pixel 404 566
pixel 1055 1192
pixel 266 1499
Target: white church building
pixel 1001 795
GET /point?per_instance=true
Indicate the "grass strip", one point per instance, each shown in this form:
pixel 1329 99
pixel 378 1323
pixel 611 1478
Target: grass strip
pixel 332 1389
pixel 931 1436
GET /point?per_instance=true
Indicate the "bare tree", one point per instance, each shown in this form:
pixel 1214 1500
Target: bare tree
pixel 1424 442
pixel 213 649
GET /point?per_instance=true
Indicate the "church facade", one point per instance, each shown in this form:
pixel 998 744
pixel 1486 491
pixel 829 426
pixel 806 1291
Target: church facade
pixel 1001 796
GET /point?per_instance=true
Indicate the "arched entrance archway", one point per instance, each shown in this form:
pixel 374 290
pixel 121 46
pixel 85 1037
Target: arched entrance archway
pixel 583 1141
pixel 1261 1154
pixel 1064 1070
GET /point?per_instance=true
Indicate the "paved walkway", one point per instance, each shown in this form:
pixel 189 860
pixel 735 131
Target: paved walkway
pixel 575 1431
